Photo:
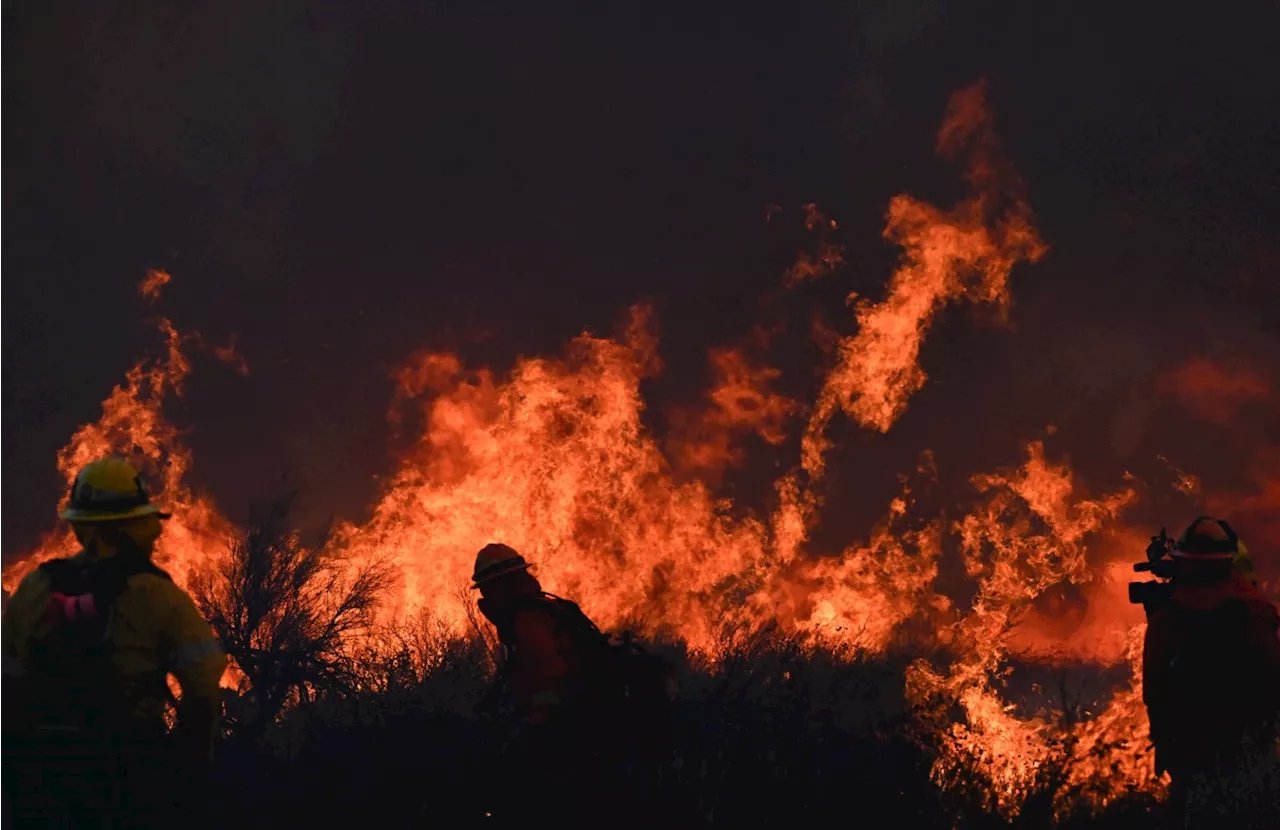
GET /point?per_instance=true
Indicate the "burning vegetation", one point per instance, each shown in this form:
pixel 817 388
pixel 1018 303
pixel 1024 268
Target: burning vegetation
pixel 554 459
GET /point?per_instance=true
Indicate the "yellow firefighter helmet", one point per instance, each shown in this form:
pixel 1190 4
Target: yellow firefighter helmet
pixel 109 490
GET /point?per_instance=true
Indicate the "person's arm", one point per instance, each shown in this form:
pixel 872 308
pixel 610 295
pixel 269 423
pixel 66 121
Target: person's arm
pixel 22 615
pixel 195 657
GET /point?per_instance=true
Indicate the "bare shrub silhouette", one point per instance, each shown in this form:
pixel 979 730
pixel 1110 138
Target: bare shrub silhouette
pixel 288 614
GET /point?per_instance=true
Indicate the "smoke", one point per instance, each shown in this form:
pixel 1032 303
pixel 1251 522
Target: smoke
pixel 233 99
pixel 878 33
pixel 1216 392
pixel 1233 399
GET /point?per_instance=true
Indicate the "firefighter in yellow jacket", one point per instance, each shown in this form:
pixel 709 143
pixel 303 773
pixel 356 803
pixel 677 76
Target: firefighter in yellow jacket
pixel 88 644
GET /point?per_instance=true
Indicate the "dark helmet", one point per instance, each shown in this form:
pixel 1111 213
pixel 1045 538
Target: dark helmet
pixel 1207 538
pixel 495 560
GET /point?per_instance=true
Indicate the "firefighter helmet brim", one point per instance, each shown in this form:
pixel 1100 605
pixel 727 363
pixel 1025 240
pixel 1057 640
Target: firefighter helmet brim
pixel 109 490
pixel 495 560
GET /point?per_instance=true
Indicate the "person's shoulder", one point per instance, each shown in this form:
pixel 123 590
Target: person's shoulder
pixel 32 588
pixel 152 576
pixel 544 612
pixel 1263 610
pixel 535 608
pixel 1248 592
pixel 158 587
pixel 40 577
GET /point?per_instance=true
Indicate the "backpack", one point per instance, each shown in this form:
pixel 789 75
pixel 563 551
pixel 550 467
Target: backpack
pixel 619 674
pixel 72 675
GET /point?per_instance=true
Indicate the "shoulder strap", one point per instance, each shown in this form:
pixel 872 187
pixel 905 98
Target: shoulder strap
pixel 567 612
pixel 106 580
pixel 68 569
pixel 571 609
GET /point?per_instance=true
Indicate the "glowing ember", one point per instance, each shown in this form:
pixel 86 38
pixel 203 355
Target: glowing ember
pixel 826 259
pixel 1184 482
pixel 153 283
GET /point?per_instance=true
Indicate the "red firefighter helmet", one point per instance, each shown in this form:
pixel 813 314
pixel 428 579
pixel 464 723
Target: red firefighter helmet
pixel 1207 538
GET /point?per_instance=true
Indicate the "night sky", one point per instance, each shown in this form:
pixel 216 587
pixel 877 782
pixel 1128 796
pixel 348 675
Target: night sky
pixel 341 184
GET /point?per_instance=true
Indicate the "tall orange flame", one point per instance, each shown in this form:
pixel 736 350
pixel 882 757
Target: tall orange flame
pixel 133 425
pixel 1028 536
pixel 555 462
pixel 966 252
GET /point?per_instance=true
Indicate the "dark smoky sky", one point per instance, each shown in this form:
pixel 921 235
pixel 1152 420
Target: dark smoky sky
pixel 340 184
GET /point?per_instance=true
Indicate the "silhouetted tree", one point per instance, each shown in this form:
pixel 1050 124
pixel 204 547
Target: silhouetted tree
pixel 289 613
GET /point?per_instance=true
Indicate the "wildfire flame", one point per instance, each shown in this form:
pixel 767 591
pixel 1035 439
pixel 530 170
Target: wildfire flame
pixel 555 460
pixel 134 426
pixel 968 251
pixel 704 439
pixel 826 259
pixel 153 283
pixel 1028 536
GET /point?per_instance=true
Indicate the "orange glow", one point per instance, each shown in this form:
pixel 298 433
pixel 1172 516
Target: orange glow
pixel 1214 391
pixel 1234 394
pixel 153 283
pixel 1028 535
pixel 554 459
pixel 133 425
pixel 826 259
pixel 555 462
pixel 704 440
pixel 1186 483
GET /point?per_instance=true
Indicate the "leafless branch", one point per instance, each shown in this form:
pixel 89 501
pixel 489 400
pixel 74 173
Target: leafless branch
pixel 289 613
